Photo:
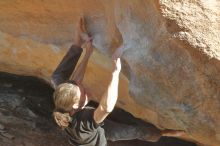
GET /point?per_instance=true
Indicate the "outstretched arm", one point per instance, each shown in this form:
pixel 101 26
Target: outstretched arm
pixel 110 97
pixel 79 72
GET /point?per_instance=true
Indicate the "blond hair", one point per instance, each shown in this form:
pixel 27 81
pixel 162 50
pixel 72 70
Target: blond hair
pixel 65 96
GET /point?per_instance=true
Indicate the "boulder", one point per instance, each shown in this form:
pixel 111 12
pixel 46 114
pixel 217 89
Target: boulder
pixel 171 54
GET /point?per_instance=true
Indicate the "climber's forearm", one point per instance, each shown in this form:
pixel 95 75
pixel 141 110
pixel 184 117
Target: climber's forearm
pixel 110 97
pixel 108 100
pixel 79 73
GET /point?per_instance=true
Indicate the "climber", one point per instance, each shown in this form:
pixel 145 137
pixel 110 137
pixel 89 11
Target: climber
pixel 83 124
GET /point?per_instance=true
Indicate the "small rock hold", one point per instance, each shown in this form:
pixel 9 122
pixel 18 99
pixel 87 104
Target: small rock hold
pixel 20 90
pixel 7 135
pixel 2 127
pixel 8 85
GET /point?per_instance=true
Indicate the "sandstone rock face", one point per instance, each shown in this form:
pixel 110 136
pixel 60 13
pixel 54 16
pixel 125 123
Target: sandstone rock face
pixel 171 58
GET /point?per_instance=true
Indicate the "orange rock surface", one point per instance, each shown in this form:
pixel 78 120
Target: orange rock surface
pixel 171 61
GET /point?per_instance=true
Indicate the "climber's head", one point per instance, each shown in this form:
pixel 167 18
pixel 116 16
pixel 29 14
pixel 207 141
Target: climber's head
pixel 68 98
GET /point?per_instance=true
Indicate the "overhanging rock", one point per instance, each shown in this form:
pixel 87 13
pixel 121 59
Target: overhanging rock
pixel 171 61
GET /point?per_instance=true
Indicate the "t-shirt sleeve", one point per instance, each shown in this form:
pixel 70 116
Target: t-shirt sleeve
pixel 87 120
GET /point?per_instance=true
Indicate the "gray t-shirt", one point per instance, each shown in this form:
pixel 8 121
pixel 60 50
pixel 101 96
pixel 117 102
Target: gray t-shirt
pixel 84 131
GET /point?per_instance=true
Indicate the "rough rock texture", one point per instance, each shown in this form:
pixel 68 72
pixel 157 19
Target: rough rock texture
pixel 171 61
